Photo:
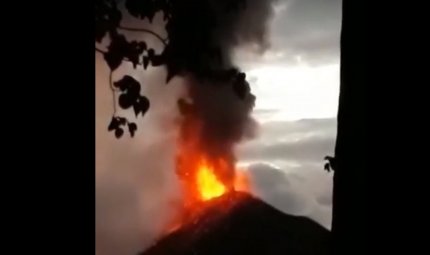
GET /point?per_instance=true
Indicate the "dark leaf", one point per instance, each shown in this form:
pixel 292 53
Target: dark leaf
pixel 122 120
pixel 125 101
pixel 143 104
pixel 113 59
pixel 126 83
pixel 141 46
pixel 329 158
pixel 150 57
pixel 136 108
pixel 145 62
pixel 119 132
pixel 331 162
pixel 134 60
pixel 142 8
pixel 151 53
pixel 327 167
pixel 132 127
pixel 107 18
pixel 134 90
pixel 135 49
pixel 117 50
pixel 113 124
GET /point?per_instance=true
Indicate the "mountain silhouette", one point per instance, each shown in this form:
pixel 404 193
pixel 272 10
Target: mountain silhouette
pixel 238 223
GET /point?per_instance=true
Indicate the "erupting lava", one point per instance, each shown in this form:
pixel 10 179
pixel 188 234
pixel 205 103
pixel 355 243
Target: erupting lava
pixel 205 166
pixel 203 178
pixel 208 184
pixel 205 171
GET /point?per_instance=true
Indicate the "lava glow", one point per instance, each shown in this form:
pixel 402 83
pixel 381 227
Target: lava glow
pixel 204 179
pixel 208 185
pixel 204 176
pixel 205 173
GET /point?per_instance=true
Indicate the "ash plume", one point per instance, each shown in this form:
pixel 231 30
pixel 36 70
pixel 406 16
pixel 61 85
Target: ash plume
pixel 220 98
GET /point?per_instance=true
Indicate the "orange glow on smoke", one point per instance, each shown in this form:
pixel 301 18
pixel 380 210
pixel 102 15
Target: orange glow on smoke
pixel 241 181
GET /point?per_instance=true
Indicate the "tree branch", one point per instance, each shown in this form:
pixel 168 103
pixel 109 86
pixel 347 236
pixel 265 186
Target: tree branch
pixel 145 31
pixel 113 92
pixel 99 50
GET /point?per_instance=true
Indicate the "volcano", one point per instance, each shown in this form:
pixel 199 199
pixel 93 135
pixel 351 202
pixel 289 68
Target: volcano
pixel 237 223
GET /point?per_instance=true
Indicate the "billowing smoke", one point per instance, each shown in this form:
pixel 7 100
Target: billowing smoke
pixel 136 184
pixel 220 100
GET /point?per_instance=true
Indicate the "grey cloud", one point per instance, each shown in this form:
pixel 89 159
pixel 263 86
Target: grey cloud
pixel 325 199
pixel 310 28
pixel 292 194
pixel 303 141
pixel 280 129
pixel 306 28
pixel 273 186
pixel 309 149
pixel 294 181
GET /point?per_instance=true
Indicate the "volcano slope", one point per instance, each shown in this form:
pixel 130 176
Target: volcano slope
pixel 238 223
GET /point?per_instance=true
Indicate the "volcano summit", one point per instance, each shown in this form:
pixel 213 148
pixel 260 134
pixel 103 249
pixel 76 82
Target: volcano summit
pixel 237 223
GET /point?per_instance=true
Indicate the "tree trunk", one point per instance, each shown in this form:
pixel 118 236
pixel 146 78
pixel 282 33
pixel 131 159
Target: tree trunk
pixel 349 218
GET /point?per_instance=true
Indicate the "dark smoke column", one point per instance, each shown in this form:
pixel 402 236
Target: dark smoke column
pixel 219 104
pixel 203 35
pixel 218 118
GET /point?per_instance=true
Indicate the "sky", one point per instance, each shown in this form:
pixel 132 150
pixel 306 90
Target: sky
pixel 296 83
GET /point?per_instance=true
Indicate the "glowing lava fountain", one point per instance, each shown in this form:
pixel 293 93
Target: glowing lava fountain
pixel 208 185
pixel 204 176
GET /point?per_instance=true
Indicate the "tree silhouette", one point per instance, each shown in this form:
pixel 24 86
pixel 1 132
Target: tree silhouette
pixel 188 48
pixel 108 23
pixel 349 215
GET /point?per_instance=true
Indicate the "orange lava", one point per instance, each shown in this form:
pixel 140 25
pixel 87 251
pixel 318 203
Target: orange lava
pixel 208 185
pixel 203 176
pixel 204 179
